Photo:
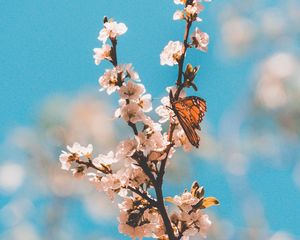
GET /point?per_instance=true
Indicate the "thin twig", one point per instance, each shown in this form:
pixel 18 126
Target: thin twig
pixel 143 195
pixel 134 128
pixel 181 61
pixel 114 51
pixel 142 162
pixel 158 186
pixel 90 164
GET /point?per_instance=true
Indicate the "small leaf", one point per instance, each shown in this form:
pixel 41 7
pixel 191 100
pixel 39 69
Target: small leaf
pixel 169 199
pixel 189 69
pixel 105 20
pixel 194 87
pixel 200 192
pixel 209 201
pixel 195 186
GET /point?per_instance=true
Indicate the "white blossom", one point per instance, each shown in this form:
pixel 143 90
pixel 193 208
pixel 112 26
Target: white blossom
pixel 109 81
pixel 200 39
pixel 126 149
pixel 131 91
pixel 178 15
pixel 107 159
pixel 145 102
pixel 180 139
pixel 185 201
pixel 102 53
pixel 80 150
pixel 194 9
pixel 179 1
pixel 112 30
pixel 132 113
pixel 199 223
pixel 110 184
pixel 78 172
pixel 172 53
pixel 131 73
pixel 65 161
pixel 165 111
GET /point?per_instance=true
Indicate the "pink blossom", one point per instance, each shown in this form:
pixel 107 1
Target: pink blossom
pixel 110 184
pixel 200 39
pixel 185 201
pixel 95 179
pixel 131 73
pixel 152 222
pixel 138 177
pixel 131 113
pixel 65 161
pixel 109 81
pixel 149 140
pixel 102 53
pixel 180 2
pixel 171 53
pixel 180 139
pixel 164 113
pixel 126 149
pixel 194 9
pixel 112 30
pixel 145 102
pixel 198 223
pixel 178 15
pixel 131 91
pixel 154 126
pixel 165 110
pixel 104 159
pixel 145 143
pixel 204 224
pixel 78 172
pixel 80 150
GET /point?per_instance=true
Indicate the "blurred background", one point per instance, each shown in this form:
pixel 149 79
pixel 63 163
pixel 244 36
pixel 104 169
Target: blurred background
pixel 249 156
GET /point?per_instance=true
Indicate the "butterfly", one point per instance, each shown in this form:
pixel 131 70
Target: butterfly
pixel 190 112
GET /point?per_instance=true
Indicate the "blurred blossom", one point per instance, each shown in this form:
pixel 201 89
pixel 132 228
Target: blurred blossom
pixel 46 183
pixel 274 23
pixel 236 163
pixel 278 90
pixel 281 236
pixel 21 232
pixel 276 74
pixel 99 207
pixel 15 212
pixel 238 34
pixel 11 177
pixel 221 229
pixel 254 26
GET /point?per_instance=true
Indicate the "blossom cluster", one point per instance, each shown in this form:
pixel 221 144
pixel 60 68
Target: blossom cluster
pixel 175 50
pixel 138 163
pixel 190 220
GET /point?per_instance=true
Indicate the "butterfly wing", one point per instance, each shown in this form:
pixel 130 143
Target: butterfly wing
pixel 197 108
pixel 190 112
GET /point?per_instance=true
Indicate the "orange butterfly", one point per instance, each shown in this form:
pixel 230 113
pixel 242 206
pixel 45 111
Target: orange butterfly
pixel 190 112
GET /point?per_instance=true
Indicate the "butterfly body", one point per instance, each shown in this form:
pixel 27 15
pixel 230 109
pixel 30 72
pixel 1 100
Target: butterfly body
pixel 190 112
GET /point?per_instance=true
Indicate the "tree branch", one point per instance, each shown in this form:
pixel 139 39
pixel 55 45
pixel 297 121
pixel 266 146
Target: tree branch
pixel 143 195
pixel 90 164
pixel 114 51
pixel 181 61
pixel 134 128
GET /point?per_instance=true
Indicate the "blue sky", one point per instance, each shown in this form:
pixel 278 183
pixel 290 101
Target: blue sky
pixel 46 48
